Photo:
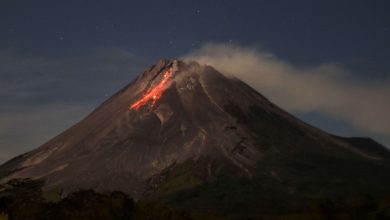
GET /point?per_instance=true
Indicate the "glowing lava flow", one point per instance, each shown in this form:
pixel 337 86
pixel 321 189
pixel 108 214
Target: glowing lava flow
pixel 152 94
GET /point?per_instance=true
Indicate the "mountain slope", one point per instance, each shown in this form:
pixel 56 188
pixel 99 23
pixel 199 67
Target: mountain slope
pixel 182 129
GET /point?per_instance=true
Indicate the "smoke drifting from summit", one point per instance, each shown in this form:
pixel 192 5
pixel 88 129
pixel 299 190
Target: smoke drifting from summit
pixel 326 88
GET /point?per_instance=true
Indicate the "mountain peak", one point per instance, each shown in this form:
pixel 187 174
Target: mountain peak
pixel 180 117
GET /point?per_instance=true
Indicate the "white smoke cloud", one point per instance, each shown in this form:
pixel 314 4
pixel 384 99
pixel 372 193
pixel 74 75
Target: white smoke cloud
pixel 327 89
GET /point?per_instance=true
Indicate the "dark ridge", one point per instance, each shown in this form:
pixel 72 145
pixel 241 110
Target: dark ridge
pixel 7 168
pixel 367 145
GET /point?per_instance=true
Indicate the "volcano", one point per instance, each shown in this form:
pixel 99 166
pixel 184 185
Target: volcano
pixel 187 134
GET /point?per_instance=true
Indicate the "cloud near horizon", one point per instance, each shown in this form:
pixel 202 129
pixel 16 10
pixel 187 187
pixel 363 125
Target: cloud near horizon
pixel 42 95
pixel 327 89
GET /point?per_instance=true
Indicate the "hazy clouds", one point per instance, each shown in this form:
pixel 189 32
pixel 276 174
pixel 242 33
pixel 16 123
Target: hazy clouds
pixel 328 88
pixel 41 95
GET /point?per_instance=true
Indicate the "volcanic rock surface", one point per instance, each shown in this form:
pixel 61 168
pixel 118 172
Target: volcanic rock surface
pixel 204 133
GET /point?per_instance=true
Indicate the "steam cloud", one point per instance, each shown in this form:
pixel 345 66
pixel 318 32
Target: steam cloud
pixel 327 89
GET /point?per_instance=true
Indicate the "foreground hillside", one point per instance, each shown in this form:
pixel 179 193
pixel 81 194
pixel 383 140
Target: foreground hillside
pixel 24 199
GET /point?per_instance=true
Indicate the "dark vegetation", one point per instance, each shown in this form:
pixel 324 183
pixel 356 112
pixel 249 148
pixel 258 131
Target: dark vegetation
pixel 24 199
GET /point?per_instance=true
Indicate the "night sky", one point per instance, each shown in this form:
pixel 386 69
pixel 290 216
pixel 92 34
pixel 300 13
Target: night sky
pixel 60 59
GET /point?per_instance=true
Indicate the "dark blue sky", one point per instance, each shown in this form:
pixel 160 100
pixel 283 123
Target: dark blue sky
pixel 354 33
pixel 76 53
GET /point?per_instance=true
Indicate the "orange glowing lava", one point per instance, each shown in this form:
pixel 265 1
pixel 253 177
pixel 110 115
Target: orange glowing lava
pixel 153 94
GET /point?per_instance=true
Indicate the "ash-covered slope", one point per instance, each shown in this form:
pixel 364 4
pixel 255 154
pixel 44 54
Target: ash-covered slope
pixel 180 125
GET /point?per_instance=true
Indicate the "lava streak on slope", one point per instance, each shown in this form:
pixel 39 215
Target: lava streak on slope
pixel 154 93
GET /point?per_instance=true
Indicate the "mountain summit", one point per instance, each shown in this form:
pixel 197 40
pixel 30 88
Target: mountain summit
pixel 185 127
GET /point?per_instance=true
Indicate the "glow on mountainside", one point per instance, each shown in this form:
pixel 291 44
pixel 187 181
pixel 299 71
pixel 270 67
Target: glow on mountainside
pixel 154 93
